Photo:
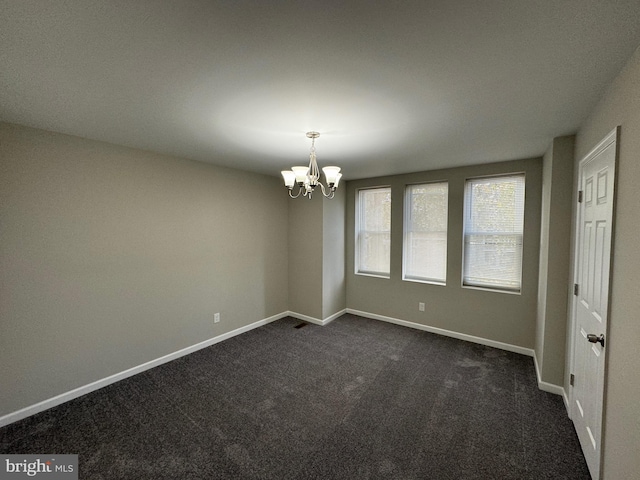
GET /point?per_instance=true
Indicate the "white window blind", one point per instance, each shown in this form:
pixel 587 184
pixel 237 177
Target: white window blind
pixel 493 230
pixel 373 232
pixel 425 232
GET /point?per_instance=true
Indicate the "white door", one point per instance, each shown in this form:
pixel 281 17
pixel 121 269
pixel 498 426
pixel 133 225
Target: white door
pixel 590 307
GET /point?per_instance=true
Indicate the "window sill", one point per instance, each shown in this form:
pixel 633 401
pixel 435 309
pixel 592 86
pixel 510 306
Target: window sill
pixel 374 275
pixel 428 282
pixel 495 290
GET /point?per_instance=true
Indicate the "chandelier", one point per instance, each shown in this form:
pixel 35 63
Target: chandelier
pixel 308 178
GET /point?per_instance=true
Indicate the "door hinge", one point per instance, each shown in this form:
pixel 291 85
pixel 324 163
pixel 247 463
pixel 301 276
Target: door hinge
pixel 580 196
pixel 576 289
pixel 572 379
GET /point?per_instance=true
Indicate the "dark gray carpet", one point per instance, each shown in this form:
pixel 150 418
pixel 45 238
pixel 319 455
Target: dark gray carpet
pixel 356 399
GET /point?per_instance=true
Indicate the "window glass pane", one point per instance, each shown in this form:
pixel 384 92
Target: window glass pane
pixel 493 230
pixel 374 231
pixel 425 235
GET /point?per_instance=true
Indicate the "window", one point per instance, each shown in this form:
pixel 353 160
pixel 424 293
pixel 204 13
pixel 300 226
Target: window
pixel 493 228
pixel 425 232
pixel 373 232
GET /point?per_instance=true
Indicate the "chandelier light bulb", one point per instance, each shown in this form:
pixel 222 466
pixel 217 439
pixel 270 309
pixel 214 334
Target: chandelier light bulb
pixel 338 177
pixel 301 173
pixel 331 174
pixel 289 178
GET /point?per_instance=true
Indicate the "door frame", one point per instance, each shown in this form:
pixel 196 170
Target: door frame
pixel 612 137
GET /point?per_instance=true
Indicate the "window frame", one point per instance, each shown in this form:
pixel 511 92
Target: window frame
pixel 407 215
pixel 466 213
pixel 358 233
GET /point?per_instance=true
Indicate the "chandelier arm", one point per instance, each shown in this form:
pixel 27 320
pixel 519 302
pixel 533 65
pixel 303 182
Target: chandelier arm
pixel 332 191
pixel 297 195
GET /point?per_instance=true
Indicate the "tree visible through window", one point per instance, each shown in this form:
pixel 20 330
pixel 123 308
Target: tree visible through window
pixel 425 232
pixel 373 231
pixel 493 231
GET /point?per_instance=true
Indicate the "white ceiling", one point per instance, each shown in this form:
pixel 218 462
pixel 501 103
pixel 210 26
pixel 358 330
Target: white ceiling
pixel 392 86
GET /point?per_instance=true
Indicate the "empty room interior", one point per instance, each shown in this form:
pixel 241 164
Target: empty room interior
pixel 455 302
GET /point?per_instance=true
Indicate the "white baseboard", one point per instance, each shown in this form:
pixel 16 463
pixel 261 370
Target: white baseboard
pixel 565 397
pixel 447 333
pixel 317 321
pixel 546 386
pixel 78 392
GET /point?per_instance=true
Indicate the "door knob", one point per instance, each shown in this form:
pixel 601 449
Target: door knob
pixel 596 338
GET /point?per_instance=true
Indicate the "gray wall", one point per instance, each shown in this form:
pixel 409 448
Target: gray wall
pixel 555 265
pixel 501 317
pixel 334 291
pixel 316 255
pixel 111 257
pixel 305 255
pixel 621 106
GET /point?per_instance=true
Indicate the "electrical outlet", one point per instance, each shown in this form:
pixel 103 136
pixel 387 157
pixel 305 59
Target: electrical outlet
pixel 216 317
pixel 421 306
